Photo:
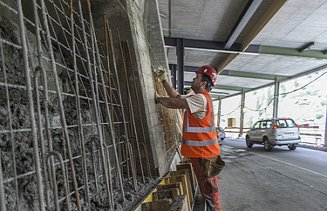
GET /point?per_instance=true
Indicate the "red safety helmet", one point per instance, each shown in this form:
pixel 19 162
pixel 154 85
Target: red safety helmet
pixel 209 71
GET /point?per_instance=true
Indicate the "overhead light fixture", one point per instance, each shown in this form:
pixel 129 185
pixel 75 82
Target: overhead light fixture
pixel 305 47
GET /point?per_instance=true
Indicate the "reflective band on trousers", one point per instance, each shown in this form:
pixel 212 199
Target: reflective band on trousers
pixel 200 143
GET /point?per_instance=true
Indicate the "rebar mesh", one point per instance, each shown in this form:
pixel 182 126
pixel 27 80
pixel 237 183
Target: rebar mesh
pixel 67 141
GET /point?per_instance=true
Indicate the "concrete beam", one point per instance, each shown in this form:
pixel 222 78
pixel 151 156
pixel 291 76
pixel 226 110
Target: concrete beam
pixel 245 17
pixel 254 31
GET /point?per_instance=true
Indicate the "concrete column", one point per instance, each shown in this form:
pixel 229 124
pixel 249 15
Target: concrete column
pixel 219 112
pixel 242 113
pixel 180 64
pixel 276 99
pixel 173 74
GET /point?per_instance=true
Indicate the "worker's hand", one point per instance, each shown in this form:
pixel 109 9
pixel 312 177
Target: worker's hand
pixel 161 73
pixel 156 96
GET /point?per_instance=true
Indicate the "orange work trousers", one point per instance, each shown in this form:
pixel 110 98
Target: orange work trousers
pixel 208 185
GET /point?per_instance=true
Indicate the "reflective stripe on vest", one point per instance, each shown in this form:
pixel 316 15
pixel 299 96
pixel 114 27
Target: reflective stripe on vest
pixel 212 128
pixel 200 143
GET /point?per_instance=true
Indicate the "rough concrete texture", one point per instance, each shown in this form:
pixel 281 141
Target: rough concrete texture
pixel 17 149
pixel 139 24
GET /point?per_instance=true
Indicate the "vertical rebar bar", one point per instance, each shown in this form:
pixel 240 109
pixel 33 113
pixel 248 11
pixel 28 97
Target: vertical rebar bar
pixel 112 52
pixel 31 106
pixel 139 109
pixel 62 112
pixel 78 110
pixel 109 114
pixel 130 104
pixel 95 96
pixel 93 159
pixel 39 52
pixel 106 33
pixel 39 118
pixel 2 189
pixel 10 124
pixel 109 172
pixel 64 173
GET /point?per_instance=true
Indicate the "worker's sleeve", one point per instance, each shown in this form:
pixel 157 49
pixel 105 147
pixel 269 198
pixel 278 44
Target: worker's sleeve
pixel 197 104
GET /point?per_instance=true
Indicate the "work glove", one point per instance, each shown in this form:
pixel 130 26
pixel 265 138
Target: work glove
pixel 161 73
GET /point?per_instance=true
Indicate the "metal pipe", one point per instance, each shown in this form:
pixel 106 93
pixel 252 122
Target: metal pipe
pixel 65 180
pixel 31 106
pixel 60 100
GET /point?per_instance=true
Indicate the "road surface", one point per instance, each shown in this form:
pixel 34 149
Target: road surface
pixel 254 179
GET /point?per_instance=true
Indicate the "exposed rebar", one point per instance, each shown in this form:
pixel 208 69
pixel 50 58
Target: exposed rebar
pixel 31 107
pixel 130 104
pixel 62 112
pixel 65 180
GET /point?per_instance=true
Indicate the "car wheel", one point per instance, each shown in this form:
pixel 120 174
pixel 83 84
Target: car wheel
pixel 266 144
pixel 249 144
pixel 292 146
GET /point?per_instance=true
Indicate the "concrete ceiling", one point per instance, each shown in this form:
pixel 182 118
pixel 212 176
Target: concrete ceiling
pixel 250 43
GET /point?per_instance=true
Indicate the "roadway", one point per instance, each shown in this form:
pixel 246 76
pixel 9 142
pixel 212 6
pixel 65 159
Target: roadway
pixel 254 179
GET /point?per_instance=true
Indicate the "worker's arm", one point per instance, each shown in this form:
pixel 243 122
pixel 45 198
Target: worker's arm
pixel 172 102
pixel 170 90
pixel 163 76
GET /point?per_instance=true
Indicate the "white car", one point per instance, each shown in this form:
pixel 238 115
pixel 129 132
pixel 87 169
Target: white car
pixel 274 132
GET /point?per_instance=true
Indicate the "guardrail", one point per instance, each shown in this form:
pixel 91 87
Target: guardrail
pixel 309 134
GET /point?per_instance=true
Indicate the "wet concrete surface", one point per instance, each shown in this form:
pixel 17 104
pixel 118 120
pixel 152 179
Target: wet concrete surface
pixel 278 180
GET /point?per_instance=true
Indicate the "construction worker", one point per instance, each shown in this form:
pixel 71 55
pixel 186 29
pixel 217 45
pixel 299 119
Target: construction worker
pixel 199 142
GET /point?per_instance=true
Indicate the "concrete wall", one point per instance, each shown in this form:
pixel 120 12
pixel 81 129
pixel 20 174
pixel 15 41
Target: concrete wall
pixel 138 23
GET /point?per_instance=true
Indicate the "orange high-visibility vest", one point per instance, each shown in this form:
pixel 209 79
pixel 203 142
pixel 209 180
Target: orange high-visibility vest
pixel 200 135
